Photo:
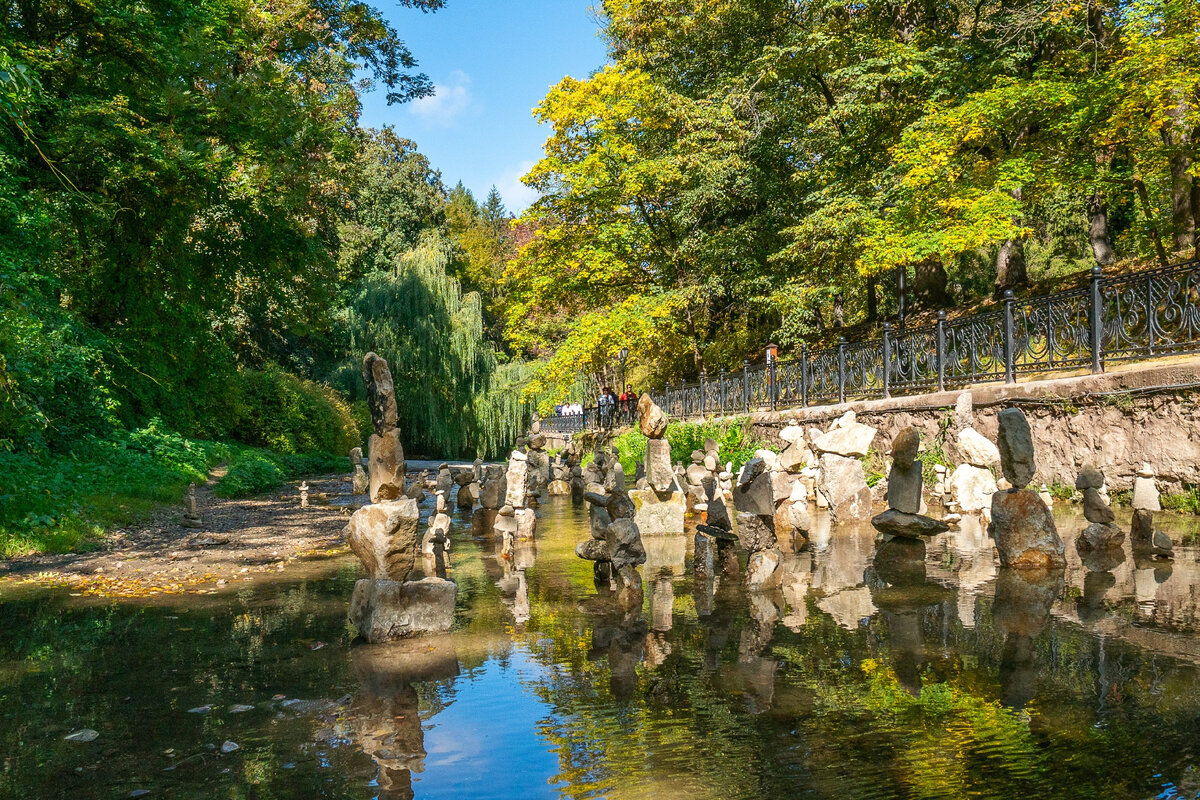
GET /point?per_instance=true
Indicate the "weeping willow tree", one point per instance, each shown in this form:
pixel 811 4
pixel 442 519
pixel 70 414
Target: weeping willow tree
pixel 455 399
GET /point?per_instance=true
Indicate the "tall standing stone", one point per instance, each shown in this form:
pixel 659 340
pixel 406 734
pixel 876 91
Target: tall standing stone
pixel 1021 523
pixel 1016 447
pixel 385 455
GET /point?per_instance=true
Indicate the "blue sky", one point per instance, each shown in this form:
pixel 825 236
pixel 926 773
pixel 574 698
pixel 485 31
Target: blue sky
pixel 492 61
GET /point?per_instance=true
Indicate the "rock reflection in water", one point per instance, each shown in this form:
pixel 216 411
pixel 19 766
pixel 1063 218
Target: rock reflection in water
pixel 385 710
pixel 1020 612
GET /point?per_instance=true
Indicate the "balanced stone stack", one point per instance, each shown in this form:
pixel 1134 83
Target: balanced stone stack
pixel 1101 534
pixel 560 477
pixel 1021 523
pixel 192 518
pixel 417 489
pixel 754 499
pixel 468 489
pixel 516 520
pixel 539 466
pixel 385 455
pixel 1145 539
pixel 358 476
pixel 841 481
pixel 903 517
pixel 386 604
pixel 972 483
pixel 615 545
pixel 659 508
pixel 437 535
pixel 445 479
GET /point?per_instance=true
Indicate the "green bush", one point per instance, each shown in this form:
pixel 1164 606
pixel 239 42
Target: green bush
pixel 257 471
pixel 736 444
pixel 286 414
pixel 61 503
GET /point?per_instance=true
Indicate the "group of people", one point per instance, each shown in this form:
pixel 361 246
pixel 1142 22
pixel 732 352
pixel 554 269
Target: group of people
pixel 609 405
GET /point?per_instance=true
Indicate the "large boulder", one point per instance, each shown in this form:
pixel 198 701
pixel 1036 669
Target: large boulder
pixel 976 449
pixel 658 513
pixel 384 610
pixel 494 489
pixel 1024 531
pixel 972 487
pixel 517 480
pixel 625 544
pixel 384 537
pixel 756 532
pixel 844 485
pixel 904 479
pixel 897 523
pixel 756 495
pixel 651 419
pixel 851 439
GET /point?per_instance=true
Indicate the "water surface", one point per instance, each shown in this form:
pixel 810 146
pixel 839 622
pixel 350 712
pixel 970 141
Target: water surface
pixel 867 675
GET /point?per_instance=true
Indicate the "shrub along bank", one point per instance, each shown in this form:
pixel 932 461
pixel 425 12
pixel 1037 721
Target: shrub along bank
pixel 736 442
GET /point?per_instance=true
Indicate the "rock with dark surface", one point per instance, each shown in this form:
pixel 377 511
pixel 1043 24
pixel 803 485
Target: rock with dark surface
pixel 384 610
pixel 844 485
pixel 904 479
pixel 897 523
pixel 624 542
pixel 1089 478
pixel 1099 536
pixel 756 496
pixel 651 419
pixel 538 474
pixel 756 532
pixel 1145 540
pixel 384 537
pixel 1095 509
pixel 1024 531
pixel 1016 447
pixel 381 394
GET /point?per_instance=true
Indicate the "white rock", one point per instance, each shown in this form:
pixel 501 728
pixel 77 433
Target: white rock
pixel 853 439
pixel 977 449
pixel 769 457
pixel 792 434
pixel 973 487
pixel 849 418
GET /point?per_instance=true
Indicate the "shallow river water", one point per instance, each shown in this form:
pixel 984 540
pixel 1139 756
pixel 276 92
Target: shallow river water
pixel 860 678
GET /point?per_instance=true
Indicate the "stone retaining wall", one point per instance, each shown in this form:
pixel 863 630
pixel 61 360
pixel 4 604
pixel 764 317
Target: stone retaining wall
pixel 1116 420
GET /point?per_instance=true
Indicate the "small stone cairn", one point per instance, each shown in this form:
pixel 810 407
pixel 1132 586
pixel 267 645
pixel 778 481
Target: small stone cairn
pixel 1101 534
pixel 841 481
pixel 972 483
pixel 192 518
pixel 754 497
pixel 358 476
pixel 539 463
pixel 468 489
pixel 903 518
pixel 1145 539
pixel 416 489
pixel 560 477
pixel 615 545
pixel 1021 523
pixel 660 506
pixel 387 605
pixel 385 456
pixel 705 465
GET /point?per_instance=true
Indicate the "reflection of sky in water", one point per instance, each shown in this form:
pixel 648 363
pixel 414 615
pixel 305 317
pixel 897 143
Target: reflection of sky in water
pixel 502 756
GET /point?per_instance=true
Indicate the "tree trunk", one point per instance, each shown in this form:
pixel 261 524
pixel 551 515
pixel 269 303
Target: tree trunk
pixel 1097 211
pixel 1010 266
pixel 1151 225
pixel 872 298
pixel 1196 213
pixel 929 285
pixel 839 318
pixel 1182 221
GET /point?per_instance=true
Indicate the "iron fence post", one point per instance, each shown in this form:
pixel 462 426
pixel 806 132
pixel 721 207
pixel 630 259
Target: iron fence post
pixel 774 386
pixel 667 399
pixel 1095 320
pixel 842 369
pixel 940 346
pixel 723 392
pixel 703 392
pixel 804 375
pixel 1010 349
pixel 746 384
pixel 887 359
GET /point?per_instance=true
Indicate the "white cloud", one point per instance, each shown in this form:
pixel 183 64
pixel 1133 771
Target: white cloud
pixel 447 102
pixel 516 195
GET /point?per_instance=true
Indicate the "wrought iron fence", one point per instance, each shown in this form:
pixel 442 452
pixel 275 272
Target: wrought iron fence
pixel 1113 319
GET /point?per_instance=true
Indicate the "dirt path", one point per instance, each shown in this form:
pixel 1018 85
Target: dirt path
pixel 238 540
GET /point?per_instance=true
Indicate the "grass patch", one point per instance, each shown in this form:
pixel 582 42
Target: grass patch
pixel 1185 502
pixel 64 504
